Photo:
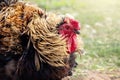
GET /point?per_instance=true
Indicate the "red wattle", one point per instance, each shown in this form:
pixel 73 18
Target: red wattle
pixel 71 43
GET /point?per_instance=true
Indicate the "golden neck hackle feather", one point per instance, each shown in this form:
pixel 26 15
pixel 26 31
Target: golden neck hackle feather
pixel 50 45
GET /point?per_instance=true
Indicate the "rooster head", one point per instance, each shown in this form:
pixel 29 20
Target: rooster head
pixel 69 30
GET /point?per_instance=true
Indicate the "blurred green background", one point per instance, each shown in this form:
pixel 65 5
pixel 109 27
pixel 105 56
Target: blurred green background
pixel 100 30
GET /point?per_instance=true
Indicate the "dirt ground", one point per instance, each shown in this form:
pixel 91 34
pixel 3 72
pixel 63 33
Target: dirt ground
pixel 97 75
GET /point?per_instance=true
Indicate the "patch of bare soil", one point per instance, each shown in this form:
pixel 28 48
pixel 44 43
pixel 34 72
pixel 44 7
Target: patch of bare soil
pixel 97 75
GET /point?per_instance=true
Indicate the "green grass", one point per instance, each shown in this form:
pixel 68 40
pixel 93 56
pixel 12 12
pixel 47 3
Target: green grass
pixel 100 30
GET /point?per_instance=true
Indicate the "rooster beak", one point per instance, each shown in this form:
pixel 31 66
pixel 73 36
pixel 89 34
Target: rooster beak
pixel 77 31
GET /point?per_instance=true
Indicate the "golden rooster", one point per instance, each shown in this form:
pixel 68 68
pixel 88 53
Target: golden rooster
pixel 34 44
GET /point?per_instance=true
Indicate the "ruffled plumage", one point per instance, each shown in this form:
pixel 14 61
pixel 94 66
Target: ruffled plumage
pixel 21 23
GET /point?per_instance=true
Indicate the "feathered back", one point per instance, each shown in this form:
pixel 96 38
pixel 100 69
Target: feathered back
pixel 13 24
pixel 10 28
